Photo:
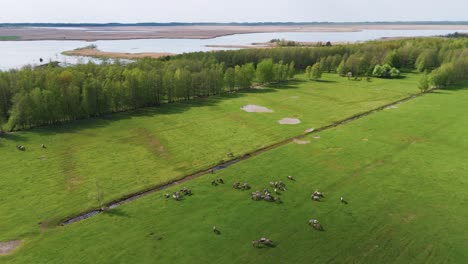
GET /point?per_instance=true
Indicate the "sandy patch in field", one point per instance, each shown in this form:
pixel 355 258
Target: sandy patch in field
pixel 310 130
pixel 317 137
pixel 289 121
pixel 301 142
pixel 256 109
pixel 7 247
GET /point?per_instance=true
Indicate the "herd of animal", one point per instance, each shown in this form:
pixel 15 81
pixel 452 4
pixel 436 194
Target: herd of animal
pixel 23 148
pixel 178 195
pixel 266 195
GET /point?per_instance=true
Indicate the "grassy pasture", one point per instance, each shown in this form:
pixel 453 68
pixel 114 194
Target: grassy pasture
pixel 403 172
pixel 9 38
pixel 90 162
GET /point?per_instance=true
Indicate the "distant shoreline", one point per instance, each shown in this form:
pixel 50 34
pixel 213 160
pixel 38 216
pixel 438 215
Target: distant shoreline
pixel 193 31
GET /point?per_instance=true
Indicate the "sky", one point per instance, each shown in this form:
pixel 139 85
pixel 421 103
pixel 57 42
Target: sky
pixel 129 11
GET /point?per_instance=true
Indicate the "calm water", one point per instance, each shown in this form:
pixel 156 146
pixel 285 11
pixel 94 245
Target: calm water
pixel 14 54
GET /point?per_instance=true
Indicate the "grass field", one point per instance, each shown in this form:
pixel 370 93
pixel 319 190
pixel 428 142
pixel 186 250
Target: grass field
pixel 402 170
pixel 8 38
pixel 88 163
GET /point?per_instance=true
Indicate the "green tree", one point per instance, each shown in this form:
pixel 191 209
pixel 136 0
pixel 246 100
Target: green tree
pixel 230 78
pixel 264 72
pixel 315 72
pixel 426 60
pixel 308 71
pixel 423 84
pixel 291 70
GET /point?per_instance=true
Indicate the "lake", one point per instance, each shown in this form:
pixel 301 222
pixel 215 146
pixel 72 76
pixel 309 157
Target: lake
pixel 15 54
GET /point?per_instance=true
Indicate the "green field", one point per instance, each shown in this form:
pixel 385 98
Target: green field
pixel 402 170
pixel 90 162
pixel 8 38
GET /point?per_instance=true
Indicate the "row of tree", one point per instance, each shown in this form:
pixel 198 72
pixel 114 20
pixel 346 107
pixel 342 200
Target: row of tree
pixel 31 97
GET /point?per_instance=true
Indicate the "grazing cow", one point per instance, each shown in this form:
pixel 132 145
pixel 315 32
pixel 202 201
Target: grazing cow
pixel 245 186
pixel 186 191
pixel 176 196
pixel 266 241
pixel 290 178
pixel 256 196
pixel 343 200
pixel 43 146
pixel 214 183
pixel 236 185
pixel 220 180
pixel 313 221
pixel 318 226
pixel 167 195
pixel 319 194
pixel 316 198
pixel 255 243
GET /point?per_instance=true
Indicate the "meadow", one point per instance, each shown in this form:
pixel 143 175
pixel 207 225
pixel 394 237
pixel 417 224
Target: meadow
pixel 401 170
pixel 91 162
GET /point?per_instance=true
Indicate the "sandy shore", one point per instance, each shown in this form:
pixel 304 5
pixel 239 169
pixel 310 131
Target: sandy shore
pixel 190 32
pixel 91 52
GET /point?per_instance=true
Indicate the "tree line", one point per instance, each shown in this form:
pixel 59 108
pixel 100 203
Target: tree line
pixel 38 96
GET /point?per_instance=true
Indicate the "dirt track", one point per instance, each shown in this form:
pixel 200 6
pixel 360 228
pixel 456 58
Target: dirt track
pixel 189 32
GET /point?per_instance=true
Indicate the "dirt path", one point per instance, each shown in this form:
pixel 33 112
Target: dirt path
pixel 134 196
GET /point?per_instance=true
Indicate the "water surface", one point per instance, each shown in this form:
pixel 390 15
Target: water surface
pixel 15 54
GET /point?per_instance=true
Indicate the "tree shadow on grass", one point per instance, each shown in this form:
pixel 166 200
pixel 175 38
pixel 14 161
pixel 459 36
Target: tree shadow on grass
pixel 326 81
pixel 13 136
pixel 456 87
pixel 293 84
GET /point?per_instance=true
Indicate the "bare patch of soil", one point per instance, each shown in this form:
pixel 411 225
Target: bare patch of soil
pixel 7 247
pixel 256 109
pixel 289 121
pixel 310 130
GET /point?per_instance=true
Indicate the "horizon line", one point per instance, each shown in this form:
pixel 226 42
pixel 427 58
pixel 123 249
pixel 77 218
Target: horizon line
pixel 435 22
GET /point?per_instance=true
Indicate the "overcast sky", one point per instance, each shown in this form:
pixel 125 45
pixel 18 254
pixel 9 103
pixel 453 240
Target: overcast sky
pixel 231 11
